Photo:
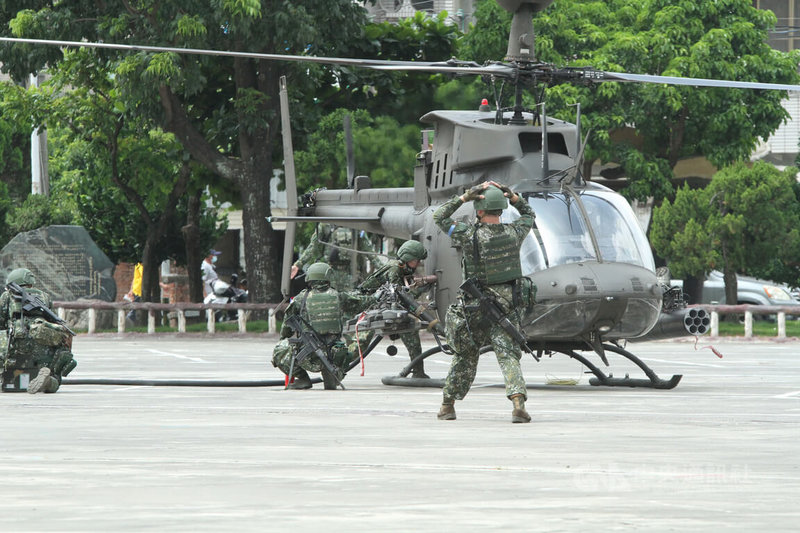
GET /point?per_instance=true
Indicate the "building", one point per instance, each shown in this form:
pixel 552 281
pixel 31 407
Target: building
pixel 459 11
pixel 781 148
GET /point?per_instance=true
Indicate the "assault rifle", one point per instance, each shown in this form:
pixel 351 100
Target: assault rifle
pixel 32 302
pixel 490 307
pixel 310 344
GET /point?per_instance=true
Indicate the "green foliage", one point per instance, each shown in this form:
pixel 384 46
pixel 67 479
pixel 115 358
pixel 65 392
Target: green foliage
pixel 487 39
pixel 678 233
pixel 697 38
pixel 38 211
pixel 383 149
pixel 744 221
pixel 15 133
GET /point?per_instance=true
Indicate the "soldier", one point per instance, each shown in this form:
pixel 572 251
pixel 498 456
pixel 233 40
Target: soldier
pixel 399 272
pixel 331 244
pixel 34 345
pixel 324 309
pixel 490 254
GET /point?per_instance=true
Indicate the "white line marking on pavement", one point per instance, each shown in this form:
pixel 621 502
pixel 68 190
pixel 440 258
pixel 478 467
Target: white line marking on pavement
pixel 179 356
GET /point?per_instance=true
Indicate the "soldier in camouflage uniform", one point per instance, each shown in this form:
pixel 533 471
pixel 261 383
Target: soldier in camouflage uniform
pixel 490 253
pixel 399 272
pixel 325 309
pixel 330 244
pixel 33 346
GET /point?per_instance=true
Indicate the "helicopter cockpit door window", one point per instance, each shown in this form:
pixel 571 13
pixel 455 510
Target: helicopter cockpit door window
pixel 562 230
pixel 531 253
pixel 618 232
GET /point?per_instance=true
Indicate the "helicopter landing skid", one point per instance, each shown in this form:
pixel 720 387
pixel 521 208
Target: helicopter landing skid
pixel 601 379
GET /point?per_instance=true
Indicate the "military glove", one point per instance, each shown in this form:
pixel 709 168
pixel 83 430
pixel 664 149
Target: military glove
pixel 506 190
pixel 474 193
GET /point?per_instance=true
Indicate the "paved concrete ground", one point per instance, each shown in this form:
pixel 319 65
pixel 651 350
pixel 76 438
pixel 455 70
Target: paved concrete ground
pixel 719 451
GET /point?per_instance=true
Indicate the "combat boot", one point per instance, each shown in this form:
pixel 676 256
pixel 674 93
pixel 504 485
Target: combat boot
pixel 43 382
pixel 448 410
pixel 301 381
pixel 519 415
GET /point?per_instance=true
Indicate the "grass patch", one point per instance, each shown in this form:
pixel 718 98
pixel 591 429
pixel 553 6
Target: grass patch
pixel 761 328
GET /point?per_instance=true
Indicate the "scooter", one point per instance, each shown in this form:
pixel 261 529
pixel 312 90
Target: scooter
pixel 226 293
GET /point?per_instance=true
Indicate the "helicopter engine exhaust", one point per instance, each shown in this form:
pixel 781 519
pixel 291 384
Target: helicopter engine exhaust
pixel 687 321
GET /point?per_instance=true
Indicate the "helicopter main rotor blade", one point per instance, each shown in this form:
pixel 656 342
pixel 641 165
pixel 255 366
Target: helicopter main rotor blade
pixel 696 82
pixel 368 63
pixel 522 71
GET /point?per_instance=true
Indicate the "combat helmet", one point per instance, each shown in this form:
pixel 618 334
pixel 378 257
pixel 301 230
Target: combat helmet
pixel 410 251
pixel 318 272
pixel 21 276
pixel 493 200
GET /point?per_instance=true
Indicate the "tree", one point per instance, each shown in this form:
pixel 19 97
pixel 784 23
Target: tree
pixel 128 179
pixel 223 111
pixel 15 134
pixel 743 221
pixel 695 38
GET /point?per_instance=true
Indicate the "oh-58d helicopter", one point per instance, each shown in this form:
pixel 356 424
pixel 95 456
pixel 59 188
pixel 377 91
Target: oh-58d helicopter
pixel 588 256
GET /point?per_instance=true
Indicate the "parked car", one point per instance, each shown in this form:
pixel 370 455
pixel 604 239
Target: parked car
pixel 752 291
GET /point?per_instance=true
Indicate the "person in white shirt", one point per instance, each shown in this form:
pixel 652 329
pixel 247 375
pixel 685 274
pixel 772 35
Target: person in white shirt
pixel 209 271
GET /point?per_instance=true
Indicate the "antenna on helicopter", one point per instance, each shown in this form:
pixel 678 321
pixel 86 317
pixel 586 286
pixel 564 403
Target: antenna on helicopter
pixel 577 106
pixel 351 159
pixel 351 177
pixel 291 189
pixel 545 146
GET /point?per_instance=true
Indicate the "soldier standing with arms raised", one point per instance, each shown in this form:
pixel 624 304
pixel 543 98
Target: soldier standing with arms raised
pixel 490 255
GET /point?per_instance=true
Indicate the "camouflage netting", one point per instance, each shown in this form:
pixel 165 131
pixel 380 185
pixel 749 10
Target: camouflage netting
pixel 65 260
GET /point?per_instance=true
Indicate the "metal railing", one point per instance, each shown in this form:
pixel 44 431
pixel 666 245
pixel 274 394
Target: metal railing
pixel 122 308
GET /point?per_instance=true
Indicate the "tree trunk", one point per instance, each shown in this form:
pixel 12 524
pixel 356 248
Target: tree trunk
pixel 251 172
pixel 731 286
pixel 262 264
pixel 191 239
pixel 693 290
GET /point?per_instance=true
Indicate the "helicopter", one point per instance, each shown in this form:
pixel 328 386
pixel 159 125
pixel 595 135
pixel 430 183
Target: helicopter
pixel 588 256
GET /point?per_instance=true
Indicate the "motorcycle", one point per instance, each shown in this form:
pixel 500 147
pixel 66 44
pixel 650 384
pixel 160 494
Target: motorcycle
pixel 226 293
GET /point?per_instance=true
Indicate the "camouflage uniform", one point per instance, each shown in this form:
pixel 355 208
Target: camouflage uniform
pixel 398 273
pixel 318 249
pixel 466 327
pixel 31 342
pixel 349 304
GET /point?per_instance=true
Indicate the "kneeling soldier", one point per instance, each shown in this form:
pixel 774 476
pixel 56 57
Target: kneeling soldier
pixel 319 312
pixel 37 343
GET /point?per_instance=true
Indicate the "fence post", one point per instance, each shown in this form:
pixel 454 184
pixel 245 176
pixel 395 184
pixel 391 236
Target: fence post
pixel 714 324
pixel 748 324
pixel 120 321
pixel 211 324
pixel 781 325
pixel 92 327
pixel 151 321
pixel 241 318
pixel 181 321
pixel 272 321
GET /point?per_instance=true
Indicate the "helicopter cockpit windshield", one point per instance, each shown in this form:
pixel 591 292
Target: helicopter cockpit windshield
pixel 561 234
